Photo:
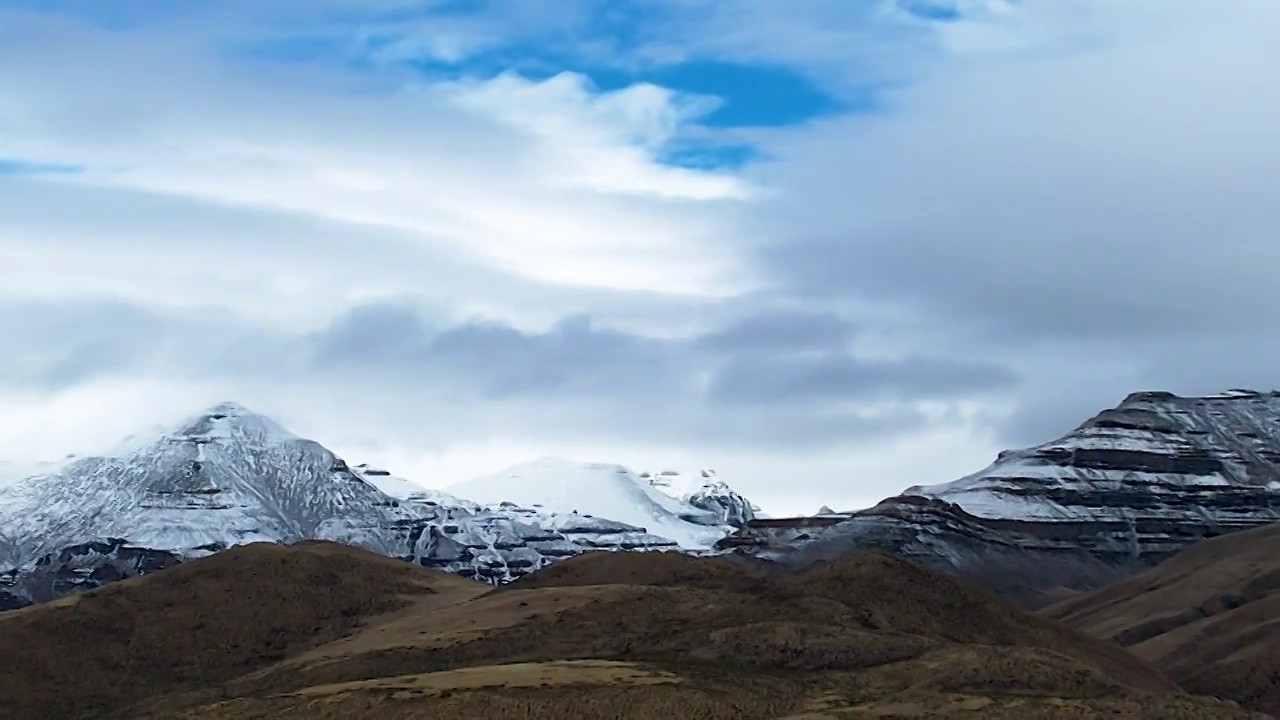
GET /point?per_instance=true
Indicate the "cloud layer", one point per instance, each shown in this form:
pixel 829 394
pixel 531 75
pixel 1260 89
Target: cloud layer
pixel 439 238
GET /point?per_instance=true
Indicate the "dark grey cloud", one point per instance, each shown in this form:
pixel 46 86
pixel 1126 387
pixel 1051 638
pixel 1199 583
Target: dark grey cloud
pixel 831 378
pixel 492 360
pixel 780 331
pixel 54 345
pixel 1060 394
pixel 750 361
pixel 577 376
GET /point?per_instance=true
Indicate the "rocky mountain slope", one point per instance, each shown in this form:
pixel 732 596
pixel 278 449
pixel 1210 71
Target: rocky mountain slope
pixel 246 634
pixel 229 476
pixel 1123 491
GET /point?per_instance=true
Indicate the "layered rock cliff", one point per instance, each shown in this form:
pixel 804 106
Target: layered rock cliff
pixel 1123 491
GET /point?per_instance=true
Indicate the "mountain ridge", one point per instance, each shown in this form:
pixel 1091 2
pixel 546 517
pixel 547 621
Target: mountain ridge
pixel 1122 491
pixel 229 476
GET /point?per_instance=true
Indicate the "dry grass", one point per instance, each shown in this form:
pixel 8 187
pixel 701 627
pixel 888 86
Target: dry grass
pixel 199 624
pixel 1207 617
pixel 739 573
pixel 322 632
pixel 511 675
pixel 589 697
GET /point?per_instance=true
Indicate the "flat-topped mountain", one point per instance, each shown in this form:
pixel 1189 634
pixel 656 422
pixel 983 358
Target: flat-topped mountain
pixel 1123 491
pixel 1212 461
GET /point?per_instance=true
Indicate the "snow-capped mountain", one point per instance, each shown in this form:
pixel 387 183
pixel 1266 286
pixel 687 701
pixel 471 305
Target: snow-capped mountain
pixel 1124 490
pixel 1211 461
pixel 704 489
pixel 554 486
pixel 229 476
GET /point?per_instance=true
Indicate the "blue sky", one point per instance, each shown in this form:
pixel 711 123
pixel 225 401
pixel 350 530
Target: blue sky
pixel 22 167
pixel 855 244
pixel 613 44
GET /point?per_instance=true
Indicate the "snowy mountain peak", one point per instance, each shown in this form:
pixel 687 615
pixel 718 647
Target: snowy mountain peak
pixel 222 477
pixel 230 420
pixel 681 483
pixel 229 407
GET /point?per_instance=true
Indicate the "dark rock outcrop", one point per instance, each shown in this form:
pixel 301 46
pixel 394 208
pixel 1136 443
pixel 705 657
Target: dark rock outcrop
pixel 81 567
pixel 730 507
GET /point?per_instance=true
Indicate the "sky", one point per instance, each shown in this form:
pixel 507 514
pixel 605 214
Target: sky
pixel 830 248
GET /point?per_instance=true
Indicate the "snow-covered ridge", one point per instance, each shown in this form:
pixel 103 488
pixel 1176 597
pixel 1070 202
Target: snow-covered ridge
pixel 558 486
pixel 545 489
pixel 404 489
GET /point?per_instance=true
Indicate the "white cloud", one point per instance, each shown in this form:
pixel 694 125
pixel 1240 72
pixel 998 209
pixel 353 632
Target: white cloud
pixel 538 177
pixel 1081 191
pixel 604 142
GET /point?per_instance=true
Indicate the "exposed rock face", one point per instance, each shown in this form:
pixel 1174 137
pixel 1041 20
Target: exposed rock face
pixel 706 491
pixel 1123 491
pixel 1025 562
pixel 1162 468
pixel 732 508
pixel 83 567
pixel 501 544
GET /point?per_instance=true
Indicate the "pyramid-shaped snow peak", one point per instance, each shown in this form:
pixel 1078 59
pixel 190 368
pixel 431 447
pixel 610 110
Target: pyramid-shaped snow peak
pixel 222 477
pixel 229 420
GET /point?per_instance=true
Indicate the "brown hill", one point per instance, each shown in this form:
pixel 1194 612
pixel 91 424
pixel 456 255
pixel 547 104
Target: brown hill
pixel 1207 617
pixel 199 624
pixel 318 631
pixel 721 572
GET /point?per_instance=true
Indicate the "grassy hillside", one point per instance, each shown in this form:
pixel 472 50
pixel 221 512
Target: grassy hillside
pixel 322 631
pixel 1207 617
